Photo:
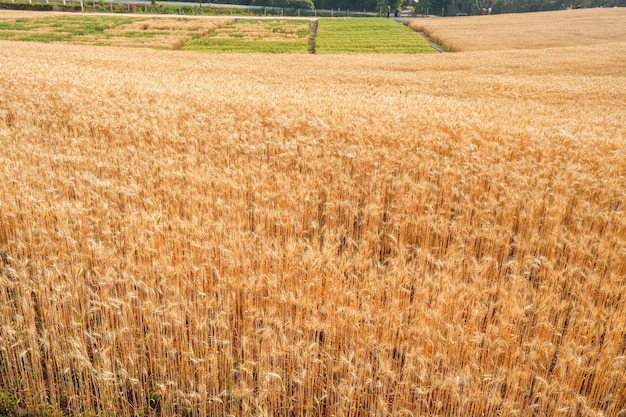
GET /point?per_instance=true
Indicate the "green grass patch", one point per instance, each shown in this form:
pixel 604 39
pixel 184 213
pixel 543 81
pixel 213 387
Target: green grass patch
pixel 7 403
pixel 247 22
pixel 44 37
pixel 222 45
pixel 58 29
pixel 143 34
pixel 13 26
pixel 90 24
pixel 375 35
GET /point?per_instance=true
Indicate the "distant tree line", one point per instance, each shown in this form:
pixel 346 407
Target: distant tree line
pixel 357 5
pixel 344 5
pixel 435 7
pixel 473 7
pixel 291 4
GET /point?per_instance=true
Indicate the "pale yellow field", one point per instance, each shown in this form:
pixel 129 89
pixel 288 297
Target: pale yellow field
pixel 173 32
pixel 262 29
pixel 528 30
pixel 191 234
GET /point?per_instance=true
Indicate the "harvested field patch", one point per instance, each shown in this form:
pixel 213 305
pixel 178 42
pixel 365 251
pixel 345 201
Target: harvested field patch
pixel 160 33
pixel 250 35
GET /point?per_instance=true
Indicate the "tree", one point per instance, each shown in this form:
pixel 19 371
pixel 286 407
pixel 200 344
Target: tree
pixel 300 4
pixel 371 5
pixel 423 7
pixel 438 6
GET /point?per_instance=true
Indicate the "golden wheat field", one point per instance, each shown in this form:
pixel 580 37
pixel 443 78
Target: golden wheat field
pixel 186 234
pixel 527 31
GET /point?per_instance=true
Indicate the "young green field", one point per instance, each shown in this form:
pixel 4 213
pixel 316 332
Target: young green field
pixel 376 35
pixel 222 35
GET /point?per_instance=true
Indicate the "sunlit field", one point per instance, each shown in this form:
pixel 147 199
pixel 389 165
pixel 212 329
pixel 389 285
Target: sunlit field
pixel 196 234
pixel 528 30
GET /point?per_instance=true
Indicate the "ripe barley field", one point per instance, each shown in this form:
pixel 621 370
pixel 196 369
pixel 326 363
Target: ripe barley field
pixel 523 31
pixel 312 235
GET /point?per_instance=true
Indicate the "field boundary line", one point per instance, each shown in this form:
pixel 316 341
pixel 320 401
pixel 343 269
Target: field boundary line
pixel 313 36
pixel 436 46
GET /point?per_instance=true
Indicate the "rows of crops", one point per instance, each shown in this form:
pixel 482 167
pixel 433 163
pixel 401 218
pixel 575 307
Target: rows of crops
pixel 313 235
pixel 218 34
pixel 367 36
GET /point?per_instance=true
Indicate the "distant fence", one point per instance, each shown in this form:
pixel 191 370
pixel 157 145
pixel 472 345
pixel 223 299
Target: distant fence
pixel 186 8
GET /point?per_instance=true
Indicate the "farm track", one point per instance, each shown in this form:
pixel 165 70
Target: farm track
pixel 431 42
pixel 439 48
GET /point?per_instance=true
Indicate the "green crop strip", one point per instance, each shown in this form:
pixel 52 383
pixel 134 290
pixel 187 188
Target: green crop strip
pixel 238 45
pixel 367 36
